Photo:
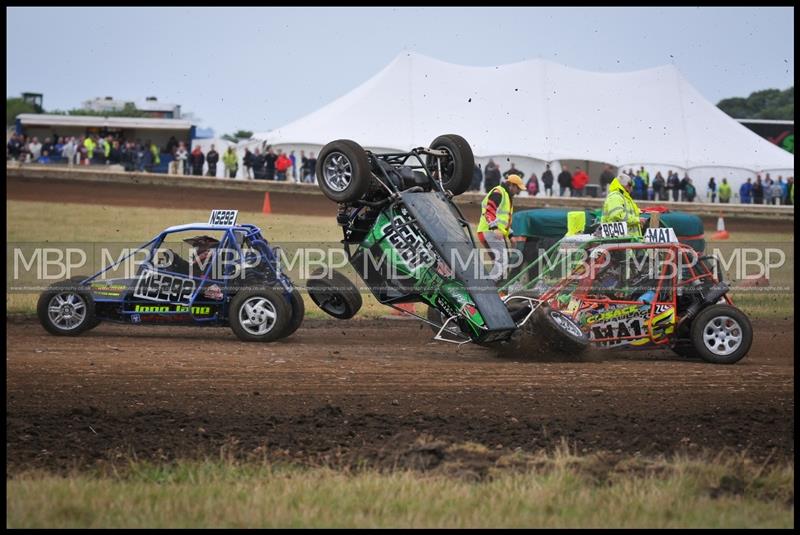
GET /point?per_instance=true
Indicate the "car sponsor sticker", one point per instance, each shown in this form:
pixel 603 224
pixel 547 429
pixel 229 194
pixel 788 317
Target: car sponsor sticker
pixel 223 217
pixel 213 292
pixel 198 310
pixel 614 230
pixel 660 235
pixel 155 286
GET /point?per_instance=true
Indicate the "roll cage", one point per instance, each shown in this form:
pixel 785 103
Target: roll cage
pixel 234 238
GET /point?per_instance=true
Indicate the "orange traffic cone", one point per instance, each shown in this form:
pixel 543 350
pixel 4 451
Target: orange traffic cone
pixel 721 233
pixel 267 207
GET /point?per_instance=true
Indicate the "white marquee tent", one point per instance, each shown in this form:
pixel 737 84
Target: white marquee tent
pixel 538 111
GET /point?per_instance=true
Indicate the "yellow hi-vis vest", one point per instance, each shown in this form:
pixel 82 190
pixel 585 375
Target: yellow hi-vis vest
pixel 503 212
pixel 619 206
pixel 576 222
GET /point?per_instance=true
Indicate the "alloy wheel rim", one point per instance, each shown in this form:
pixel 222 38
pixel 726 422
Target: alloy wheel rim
pixel 257 316
pixel 337 171
pixel 722 335
pixel 67 311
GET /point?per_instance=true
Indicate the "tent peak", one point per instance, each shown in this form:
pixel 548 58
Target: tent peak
pixel 411 55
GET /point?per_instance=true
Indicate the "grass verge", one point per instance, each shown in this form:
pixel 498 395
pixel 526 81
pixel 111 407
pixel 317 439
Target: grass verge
pixel 555 490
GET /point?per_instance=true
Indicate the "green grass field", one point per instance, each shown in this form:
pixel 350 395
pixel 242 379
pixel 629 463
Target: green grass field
pixel 555 491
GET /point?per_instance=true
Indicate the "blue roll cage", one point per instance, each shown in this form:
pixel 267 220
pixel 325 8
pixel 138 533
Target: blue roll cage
pixel 250 232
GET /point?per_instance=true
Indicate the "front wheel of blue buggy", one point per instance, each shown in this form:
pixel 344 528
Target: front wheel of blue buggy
pixel 260 315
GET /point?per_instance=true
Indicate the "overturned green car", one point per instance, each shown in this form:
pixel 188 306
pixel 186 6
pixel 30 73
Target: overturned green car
pixel 409 243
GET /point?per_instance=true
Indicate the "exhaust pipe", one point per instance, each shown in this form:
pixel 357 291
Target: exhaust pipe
pixel 708 298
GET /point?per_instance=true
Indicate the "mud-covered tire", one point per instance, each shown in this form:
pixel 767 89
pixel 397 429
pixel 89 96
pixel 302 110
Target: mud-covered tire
pixel 76 314
pixel 721 334
pixel 458 168
pixel 343 171
pixel 334 294
pixel 259 315
pixel 558 331
pixel 298 312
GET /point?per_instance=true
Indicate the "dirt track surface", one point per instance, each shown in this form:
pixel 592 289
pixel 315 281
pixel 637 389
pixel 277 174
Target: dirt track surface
pixel 342 393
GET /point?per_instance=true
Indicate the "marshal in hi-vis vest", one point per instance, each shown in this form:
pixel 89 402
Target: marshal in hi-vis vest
pixel 503 213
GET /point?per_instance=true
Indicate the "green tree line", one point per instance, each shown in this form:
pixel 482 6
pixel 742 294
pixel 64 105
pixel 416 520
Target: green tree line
pixel 765 104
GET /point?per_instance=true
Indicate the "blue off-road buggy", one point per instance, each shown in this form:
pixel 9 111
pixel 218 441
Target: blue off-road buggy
pixel 229 276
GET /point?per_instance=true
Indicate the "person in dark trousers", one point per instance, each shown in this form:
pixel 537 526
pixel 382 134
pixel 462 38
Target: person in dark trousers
pixel 564 181
pixel 547 181
pixel 311 167
pixel 247 161
pixel 212 158
pixel 712 189
pixel 674 185
pixel 172 144
pixel 258 161
pixel 197 159
pixel 758 191
pixel 684 183
pixel 659 187
pixel 477 177
pixel 269 159
pixel 491 176
pixel 115 154
pixel 605 178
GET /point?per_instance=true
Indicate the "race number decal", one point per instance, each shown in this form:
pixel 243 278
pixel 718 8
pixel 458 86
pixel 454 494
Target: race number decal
pixel 155 286
pixel 614 230
pixel 413 248
pixel 223 217
pixel 660 235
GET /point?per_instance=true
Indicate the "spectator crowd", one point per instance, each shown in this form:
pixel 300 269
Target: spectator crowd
pixel 673 187
pixel 266 163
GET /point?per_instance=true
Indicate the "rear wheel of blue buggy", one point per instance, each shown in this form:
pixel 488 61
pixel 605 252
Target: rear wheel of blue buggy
pixel 67 309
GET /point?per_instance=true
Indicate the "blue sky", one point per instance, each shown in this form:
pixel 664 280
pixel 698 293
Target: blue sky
pixel 260 68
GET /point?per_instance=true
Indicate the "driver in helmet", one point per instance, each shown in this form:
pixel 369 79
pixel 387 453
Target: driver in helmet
pixel 202 247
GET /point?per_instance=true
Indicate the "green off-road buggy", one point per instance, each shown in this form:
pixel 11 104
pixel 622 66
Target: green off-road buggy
pixel 410 243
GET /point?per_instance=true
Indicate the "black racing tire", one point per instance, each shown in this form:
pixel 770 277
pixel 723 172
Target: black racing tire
pixel 334 293
pixel 557 330
pixel 262 302
pixel 298 312
pixel 343 171
pixel 67 293
pixel 458 167
pixel 721 334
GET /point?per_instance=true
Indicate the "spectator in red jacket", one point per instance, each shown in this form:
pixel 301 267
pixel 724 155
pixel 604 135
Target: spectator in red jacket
pixel 579 181
pixel 282 164
pixel 197 159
